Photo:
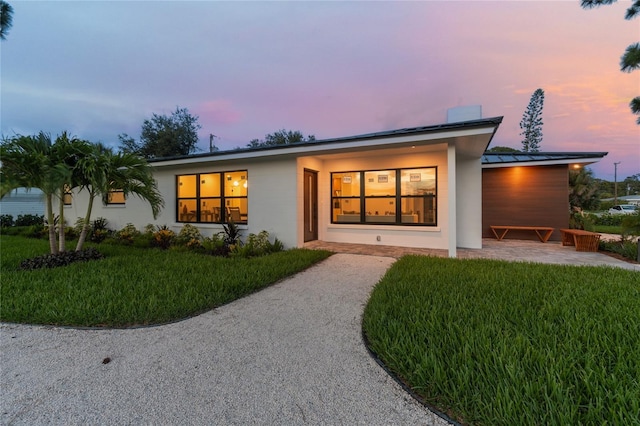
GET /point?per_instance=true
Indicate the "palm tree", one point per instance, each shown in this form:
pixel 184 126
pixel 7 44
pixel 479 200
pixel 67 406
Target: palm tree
pixel 104 171
pixel 6 19
pixel 30 162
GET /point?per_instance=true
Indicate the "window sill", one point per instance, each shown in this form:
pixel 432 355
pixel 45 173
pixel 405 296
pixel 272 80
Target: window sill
pixel 412 228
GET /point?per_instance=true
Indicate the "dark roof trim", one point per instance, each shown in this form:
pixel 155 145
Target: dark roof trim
pixel 529 157
pixel 471 124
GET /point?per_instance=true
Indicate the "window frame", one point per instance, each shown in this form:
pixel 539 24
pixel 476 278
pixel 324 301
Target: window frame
pixel 110 202
pixel 396 199
pixel 224 199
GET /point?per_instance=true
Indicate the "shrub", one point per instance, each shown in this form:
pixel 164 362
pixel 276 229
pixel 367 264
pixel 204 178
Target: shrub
pixel 608 219
pixel 631 224
pixel 6 220
pixel 163 237
pixel 257 245
pixel 215 246
pixel 99 231
pixel 60 259
pixel 189 236
pixel 127 234
pixel 231 235
pixel 625 247
pixel 29 219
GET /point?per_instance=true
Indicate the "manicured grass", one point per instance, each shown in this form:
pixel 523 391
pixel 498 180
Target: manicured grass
pixel 607 229
pixel 499 343
pixel 132 286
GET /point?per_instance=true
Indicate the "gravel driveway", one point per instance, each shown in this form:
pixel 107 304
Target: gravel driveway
pixel 290 354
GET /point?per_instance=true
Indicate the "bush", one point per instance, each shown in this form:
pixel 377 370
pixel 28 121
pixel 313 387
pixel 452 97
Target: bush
pixel 189 236
pixel 215 246
pixel 127 234
pixel 625 247
pixel 29 219
pixel 257 245
pixel 99 230
pixel 608 219
pixel 60 259
pixel 163 237
pixel 6 220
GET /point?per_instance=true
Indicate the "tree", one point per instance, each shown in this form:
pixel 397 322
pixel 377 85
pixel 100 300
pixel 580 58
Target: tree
pixel 281 137
pixel 531 123
pixel 103 172
pixel 502 149
pixel 6 19
pixel 164 136
pixel 30 162
pixel 584 192
pixel 630 60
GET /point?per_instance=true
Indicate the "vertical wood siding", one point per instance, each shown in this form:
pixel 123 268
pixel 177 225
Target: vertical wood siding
pixel 525 196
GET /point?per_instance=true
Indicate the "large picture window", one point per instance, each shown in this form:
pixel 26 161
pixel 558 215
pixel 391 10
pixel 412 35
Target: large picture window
pixel 212 197
pixel 389 197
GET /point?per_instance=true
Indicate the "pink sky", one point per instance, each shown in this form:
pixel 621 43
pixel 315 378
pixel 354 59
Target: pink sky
pixel 330 69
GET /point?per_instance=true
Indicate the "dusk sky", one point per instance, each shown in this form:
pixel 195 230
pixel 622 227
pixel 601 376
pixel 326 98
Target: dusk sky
pixel 331 69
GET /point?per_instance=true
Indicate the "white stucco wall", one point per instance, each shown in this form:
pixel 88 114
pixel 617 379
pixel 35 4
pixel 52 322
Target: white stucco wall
pixel 469 202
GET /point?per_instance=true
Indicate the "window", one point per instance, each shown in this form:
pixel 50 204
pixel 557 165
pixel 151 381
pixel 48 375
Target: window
pixel 67 197
pixel 115 197
pixel 212 197
pixel 390 197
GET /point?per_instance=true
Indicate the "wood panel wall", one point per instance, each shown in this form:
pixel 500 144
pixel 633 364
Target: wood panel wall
pixel 525 196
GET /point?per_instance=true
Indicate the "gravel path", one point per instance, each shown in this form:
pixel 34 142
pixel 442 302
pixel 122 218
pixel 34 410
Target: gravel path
pixel 290 354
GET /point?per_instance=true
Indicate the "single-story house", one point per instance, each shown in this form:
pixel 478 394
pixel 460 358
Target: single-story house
pixel 413 187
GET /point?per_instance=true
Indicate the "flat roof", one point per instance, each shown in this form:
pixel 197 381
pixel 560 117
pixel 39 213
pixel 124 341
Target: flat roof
pixel 502 159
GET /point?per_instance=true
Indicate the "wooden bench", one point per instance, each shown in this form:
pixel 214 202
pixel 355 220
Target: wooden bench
pixel 583 240
pixel 543 232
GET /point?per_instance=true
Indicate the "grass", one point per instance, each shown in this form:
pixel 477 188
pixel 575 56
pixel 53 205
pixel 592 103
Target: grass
pixel 132 286
pixel 607 229
pixel 498 343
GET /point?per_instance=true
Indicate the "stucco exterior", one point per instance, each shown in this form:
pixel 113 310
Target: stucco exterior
pixel 276 192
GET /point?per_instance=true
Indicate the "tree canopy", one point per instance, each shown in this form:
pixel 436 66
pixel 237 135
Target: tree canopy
pixel 281 137
pixel 502 149
pixel 531 123
pixel 630 60
pixel 6 19
pixel 70 163
pixel 164 136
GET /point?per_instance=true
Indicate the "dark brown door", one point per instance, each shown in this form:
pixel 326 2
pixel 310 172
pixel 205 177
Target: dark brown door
pixel 310 205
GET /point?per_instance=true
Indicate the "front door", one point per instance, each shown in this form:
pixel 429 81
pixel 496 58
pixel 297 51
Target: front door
pixel 310 205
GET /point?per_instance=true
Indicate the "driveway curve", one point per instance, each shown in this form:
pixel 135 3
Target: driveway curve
pixel 290 354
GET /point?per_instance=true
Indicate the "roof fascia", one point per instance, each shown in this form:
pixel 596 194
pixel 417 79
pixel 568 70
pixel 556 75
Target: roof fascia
pixel 374 142
pixel 565 161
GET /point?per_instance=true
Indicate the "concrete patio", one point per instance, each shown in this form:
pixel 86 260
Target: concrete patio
pixel 512 250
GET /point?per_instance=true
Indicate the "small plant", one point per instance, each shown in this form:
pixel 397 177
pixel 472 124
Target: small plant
pixel 127 234
pixel 6 220
pixel 231 235
pixel 163 237
pixel 60 259
pixel 214 245
pixel 257 245
pixel 99 231
pixel 189 236
pixel 149 228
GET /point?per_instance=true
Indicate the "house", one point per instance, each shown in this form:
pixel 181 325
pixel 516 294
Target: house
pixel 413 187
pixel 529 189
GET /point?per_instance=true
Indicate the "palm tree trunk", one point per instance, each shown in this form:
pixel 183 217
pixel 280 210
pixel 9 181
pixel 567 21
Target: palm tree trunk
pixel 53 244
pixel 85 224
pixel 61 239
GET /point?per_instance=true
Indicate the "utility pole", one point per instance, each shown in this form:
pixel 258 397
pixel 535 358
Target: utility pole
pixel 211 146
pixel 615 182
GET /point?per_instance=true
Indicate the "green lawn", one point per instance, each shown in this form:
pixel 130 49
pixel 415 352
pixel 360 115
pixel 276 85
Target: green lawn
pixel 499 343
pixel 607 229
pixel 132 286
